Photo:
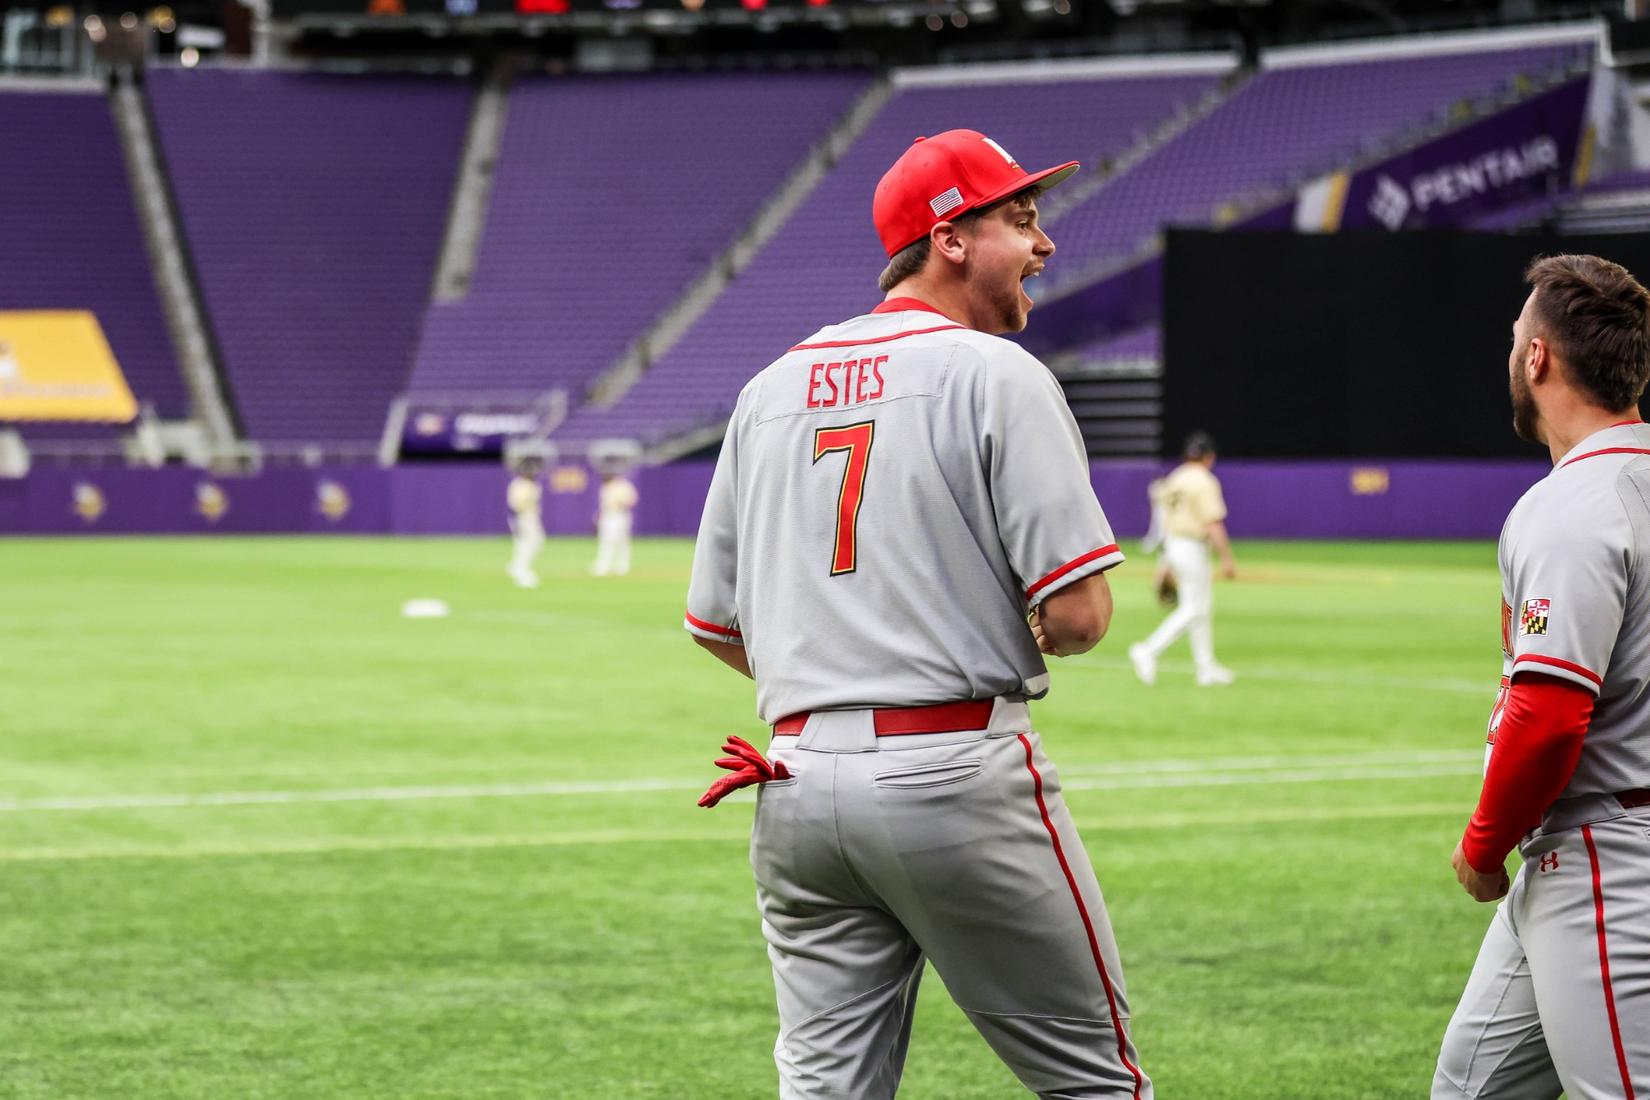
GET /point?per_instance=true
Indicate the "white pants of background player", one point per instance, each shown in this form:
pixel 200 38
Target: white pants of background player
pixel 528 531
pixel 1188 560
pixel 1559 999
pixel 612 545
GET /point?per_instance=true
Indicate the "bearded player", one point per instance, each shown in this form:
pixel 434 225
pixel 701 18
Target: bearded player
pixel 894 496
pixel 1559 999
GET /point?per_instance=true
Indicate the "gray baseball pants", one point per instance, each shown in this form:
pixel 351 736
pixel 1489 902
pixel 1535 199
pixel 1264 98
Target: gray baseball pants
pixel 1559 999
pixel 882 852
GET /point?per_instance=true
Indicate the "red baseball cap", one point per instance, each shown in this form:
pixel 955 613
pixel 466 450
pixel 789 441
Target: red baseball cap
pixel 947 175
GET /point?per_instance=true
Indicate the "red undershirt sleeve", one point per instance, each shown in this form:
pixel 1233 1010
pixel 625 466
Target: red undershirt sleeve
pixel 1536 751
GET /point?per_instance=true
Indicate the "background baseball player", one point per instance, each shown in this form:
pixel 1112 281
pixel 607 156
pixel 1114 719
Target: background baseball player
pixel 893 497
pixel 1163 583
pixel 1559 999
pixel 526 524
pixel 1194 518
pixel 616 502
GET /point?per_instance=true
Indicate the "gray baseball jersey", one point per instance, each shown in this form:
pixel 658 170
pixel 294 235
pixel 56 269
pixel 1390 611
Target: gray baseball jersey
pixel 1559 998
pixel 893 495
pixel 1575 590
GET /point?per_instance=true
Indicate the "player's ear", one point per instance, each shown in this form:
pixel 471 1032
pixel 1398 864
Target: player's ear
pixel 947 241
pixel 1539 362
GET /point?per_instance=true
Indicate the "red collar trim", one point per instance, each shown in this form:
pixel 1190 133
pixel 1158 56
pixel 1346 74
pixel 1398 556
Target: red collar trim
pixel 1606 451
pixel 875 339
pixel 900 305
pixel 1627 424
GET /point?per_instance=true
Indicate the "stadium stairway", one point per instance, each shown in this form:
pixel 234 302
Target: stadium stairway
pixel 610 200
pixel 821 264
pixel 197 355
pixel 75 241
pixel 313 206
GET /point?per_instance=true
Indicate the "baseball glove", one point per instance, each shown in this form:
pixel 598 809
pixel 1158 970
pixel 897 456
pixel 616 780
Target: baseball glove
pixel 1168 592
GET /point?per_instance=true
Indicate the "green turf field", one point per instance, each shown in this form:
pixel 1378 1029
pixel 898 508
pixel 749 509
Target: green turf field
pixel 262 837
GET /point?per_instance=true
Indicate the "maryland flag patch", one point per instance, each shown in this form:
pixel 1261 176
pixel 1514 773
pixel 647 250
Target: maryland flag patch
pixel 1534 618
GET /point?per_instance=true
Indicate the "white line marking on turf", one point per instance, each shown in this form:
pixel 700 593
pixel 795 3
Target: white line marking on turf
pixel 1272 763
pixel 678 836
pixel 1227 771
pixel 355 794
pixel 1306 676
pixel 1309 775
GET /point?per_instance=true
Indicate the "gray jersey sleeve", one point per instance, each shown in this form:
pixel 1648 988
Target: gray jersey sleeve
pixel 1050 523
pixel 1567 589
pixel 712 610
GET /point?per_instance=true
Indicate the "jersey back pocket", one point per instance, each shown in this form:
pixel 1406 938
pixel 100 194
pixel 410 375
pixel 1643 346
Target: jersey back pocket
pixel 935 774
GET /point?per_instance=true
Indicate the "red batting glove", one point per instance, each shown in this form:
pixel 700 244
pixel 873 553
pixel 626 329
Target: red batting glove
pixel 749 767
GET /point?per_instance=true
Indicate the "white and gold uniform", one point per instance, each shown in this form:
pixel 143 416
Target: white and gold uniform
pixel 618 500
pixel 1191 500
pixel 527 527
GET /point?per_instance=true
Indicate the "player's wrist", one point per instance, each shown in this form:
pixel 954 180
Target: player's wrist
pixel 1482 857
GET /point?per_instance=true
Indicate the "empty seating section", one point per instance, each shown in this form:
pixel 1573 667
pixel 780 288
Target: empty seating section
pixel 1141 345
pixel 1282 125
pixel 1543 208
pixel 612 194
pixel 314 208
pixel 822 265
pixel 71 240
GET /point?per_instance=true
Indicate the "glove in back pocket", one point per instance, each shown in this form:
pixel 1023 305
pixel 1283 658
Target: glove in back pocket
pixel 935 774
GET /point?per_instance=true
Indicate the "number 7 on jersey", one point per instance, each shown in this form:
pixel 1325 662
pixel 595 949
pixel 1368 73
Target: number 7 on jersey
pixel 856 440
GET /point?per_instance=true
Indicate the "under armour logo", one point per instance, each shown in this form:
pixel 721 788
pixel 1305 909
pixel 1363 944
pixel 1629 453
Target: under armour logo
pixel 1549 862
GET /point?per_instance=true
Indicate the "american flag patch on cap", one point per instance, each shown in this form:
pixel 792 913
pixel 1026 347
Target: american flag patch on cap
pixel 944 204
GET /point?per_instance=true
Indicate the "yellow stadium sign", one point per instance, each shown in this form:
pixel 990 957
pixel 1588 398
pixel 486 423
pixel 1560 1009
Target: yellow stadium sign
pixel 56 365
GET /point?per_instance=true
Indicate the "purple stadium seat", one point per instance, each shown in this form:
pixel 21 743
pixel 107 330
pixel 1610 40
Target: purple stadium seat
pixel 821 267
pixel 72 240
pixel 612 194
pixel 314 207
pixel 1136 344
pixel 1282 126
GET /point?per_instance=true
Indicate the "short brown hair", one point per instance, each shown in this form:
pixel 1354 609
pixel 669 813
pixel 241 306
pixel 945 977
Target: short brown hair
pixel 909 260
pixel 1598 317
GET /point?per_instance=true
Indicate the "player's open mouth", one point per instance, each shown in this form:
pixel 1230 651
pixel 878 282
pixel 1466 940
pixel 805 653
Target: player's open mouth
pixel 1026 278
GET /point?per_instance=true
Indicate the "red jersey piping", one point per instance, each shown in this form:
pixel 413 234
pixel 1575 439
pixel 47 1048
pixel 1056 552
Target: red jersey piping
pixel 1607 451
pixel 1074 563
pixel 874 339
pixel 1604 965
pixel 724 631
pixel 1088 924
pixel 1559 662
pixel 903 305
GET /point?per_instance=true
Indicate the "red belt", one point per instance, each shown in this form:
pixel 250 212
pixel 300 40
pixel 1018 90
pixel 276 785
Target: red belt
pixel 1632 800
pixel 973 714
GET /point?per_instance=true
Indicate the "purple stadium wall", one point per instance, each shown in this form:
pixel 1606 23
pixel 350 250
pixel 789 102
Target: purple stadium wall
pixel 1407 499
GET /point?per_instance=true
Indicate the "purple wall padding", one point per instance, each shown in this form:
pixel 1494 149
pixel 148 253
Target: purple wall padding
pixel 1268 499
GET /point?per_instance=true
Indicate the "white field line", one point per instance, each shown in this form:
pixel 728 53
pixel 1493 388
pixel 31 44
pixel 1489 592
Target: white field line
pixel 1274 763
pixel 1309 775
pixel 585 839
pixel 1306 676
pixel 1154 774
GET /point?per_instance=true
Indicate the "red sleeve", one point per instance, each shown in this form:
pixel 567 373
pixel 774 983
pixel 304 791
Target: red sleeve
pixel 1536 751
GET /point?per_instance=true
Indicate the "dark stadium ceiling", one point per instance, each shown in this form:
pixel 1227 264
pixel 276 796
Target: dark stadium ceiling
pixel 815 31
